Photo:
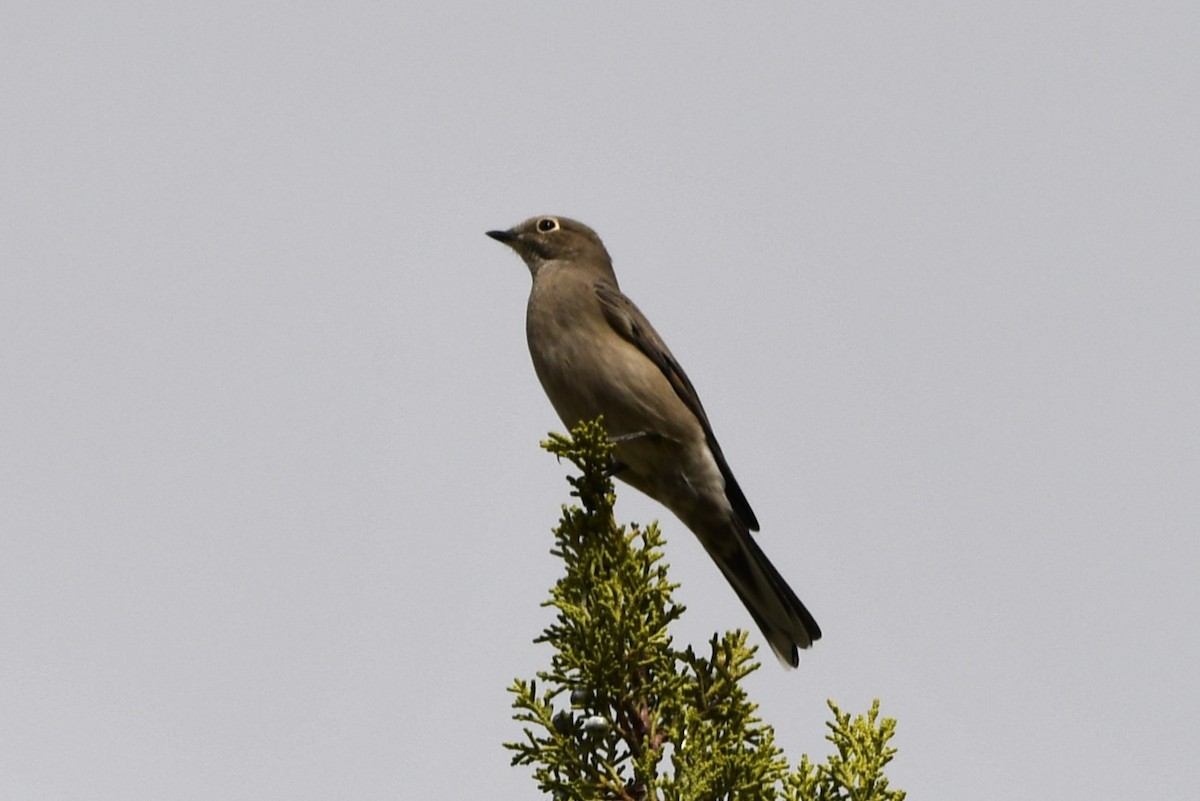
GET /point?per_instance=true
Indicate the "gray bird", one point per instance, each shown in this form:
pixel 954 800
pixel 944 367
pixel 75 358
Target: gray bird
pixel 596 353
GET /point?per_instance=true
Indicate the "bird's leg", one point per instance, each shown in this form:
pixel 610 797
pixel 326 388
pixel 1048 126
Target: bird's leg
pixel 614 467
pixel 617 466
pixel 632 435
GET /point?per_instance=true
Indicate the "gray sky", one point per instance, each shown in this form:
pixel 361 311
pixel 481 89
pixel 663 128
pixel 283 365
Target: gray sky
pixel 274 520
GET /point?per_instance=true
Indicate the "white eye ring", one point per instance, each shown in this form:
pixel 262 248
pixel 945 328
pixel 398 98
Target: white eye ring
pixel 547 224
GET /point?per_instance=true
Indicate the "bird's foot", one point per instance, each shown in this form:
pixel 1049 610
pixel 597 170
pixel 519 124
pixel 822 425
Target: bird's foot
pixel 614 467
pixel 617 466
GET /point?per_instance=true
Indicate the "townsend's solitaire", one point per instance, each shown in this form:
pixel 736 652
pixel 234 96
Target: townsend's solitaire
pixel 596 354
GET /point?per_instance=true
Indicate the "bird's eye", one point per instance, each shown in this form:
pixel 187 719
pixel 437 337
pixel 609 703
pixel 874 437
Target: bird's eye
pixel 547 224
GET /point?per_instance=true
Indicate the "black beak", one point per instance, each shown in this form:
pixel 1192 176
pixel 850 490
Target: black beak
pixel 502 236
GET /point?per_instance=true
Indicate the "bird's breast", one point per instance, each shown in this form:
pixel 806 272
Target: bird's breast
pixel 587 368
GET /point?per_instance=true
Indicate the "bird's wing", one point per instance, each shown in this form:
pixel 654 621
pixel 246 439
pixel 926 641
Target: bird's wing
pixel 628 321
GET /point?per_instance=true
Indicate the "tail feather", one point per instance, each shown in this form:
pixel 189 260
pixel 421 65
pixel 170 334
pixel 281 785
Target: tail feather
pixel 780 615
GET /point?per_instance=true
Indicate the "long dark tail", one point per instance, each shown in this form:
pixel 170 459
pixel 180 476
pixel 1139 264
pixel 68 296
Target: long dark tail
pixel 781 616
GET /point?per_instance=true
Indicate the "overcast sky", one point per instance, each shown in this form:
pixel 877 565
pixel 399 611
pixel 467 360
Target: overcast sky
pixel 273 519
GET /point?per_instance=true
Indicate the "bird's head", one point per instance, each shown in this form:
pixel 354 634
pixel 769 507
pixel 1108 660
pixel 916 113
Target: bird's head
pixel 545 239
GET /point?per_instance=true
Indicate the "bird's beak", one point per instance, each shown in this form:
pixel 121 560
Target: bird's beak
pixel 507 237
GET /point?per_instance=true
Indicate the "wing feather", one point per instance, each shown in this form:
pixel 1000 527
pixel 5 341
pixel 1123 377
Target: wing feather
pixel 628 321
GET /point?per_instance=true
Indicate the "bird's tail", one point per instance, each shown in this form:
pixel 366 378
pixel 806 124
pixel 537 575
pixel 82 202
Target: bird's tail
pixel 781 616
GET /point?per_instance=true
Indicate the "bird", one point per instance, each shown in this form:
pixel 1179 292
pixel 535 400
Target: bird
pixel 595 353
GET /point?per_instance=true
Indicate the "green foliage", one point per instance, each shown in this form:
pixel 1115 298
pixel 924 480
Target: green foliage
pixel 622 714
pixel 855 773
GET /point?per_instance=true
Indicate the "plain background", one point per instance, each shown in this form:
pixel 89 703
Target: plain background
pixel 274 520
